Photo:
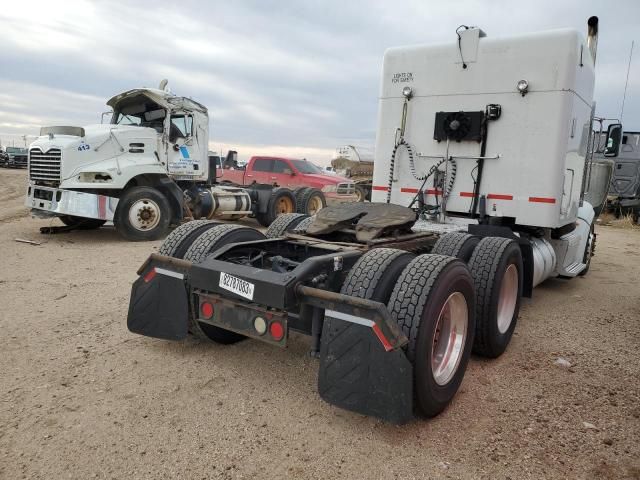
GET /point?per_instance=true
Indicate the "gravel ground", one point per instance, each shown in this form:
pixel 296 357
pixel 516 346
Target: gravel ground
pixel 81 397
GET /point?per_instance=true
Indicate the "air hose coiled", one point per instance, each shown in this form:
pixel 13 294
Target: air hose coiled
pixel 392 164
pixel 412 167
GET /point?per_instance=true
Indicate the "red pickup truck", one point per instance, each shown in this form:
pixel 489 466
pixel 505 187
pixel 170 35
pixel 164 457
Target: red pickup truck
pixel 290 173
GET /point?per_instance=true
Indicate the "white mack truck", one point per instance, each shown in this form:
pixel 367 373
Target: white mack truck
pixel 482 154
pixel 144 171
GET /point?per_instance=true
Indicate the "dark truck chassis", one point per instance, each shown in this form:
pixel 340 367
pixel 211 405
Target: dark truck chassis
pixel 170 290
pixel 392 328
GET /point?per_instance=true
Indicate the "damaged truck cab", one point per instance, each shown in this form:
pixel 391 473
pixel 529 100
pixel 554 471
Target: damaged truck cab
pixel 144 171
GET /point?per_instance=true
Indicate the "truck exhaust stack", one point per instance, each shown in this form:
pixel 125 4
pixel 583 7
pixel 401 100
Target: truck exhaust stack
pixel 592 36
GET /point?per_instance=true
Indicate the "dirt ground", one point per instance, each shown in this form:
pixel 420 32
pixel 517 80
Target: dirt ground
pixel 82 397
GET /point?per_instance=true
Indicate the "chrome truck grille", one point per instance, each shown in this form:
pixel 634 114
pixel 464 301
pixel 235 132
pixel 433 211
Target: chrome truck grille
pixel 346 188
pixel 45 167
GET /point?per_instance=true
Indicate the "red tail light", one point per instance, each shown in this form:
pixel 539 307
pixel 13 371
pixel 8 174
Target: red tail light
pixel 149 276
pixel 276 331
pixel 206 309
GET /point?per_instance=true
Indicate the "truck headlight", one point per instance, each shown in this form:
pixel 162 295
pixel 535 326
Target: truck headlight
pixel 329 189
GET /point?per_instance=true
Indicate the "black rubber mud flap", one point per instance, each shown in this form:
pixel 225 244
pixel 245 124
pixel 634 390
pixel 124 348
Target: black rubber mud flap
pixel 159 305
pixel 358 374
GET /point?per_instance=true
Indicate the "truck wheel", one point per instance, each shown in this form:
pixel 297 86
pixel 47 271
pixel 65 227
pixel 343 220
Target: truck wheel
pixel 218 236
pixel 310 201
pixel 433 303
pixel 206 243
pixel 375 274
pixel 142 214
pixel 496 267
pixel 456 244
pixel 589 250
pixel 179 241
pixel 284 223
pixel 301 228
pixel 281 201
pixel 82 223
pixel 361 193
pixel 297 193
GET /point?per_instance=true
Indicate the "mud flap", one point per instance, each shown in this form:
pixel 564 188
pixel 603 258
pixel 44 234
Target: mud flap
pixel 159 305
pixel 358 374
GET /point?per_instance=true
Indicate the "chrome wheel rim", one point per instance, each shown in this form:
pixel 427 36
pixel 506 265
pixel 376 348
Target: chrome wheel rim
pixel 144 215
pixel 508 298
pixel 449 338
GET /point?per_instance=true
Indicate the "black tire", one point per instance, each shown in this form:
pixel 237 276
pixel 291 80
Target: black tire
pixel 375 274
pixel 281 201
pixel 284 223
pixel 218 236
pixel 178 242
pixel 297 193
pixel 82 223
pixel 589 250
pixel 488 266
pixel 362 193
pixel 310 201
pixel 301 228
pixel 456 244
pixel 150 202
pixel 417 301
pixel 206 243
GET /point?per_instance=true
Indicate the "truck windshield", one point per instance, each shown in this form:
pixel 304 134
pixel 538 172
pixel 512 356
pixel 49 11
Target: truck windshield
pixel 124 119
pixel 305 167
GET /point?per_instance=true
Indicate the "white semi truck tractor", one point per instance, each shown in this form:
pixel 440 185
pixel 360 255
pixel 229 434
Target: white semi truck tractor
pixel 145 170
pixel 482 154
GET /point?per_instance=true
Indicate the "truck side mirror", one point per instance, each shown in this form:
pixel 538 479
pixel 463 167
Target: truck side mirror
pixel 614 137
pixel 288 171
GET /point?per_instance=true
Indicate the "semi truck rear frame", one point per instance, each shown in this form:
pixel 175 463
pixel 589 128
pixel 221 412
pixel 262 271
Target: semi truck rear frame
pixel 478 197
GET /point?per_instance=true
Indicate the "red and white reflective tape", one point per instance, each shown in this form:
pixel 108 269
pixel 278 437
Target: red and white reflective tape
pixel 364 322
pixel 490 196
pixel 161 271
pixel 542 200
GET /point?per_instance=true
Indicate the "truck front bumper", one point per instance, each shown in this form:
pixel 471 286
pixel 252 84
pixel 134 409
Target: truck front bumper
pixel 58 202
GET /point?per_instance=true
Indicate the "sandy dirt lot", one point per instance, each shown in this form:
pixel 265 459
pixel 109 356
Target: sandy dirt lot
pixel 81 397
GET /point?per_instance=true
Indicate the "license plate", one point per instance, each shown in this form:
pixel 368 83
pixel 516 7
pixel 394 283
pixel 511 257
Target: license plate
pixel 236 285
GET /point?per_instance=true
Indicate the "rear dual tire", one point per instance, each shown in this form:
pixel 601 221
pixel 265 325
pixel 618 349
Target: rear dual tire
pixel 284 223
pixel 309 200
pixel 178 242
pixel 432 299
pixel 281 201
pixel 496 267
pixel 205 244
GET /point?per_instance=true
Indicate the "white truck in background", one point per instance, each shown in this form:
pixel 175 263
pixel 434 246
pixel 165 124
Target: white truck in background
pixel 145 170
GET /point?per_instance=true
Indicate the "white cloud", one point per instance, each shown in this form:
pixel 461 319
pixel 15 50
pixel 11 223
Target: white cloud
pixel 273 74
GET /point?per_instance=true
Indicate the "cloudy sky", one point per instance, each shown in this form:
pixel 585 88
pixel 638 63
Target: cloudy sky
pixel 296 78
